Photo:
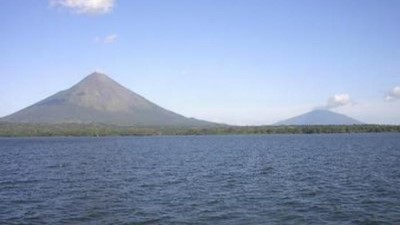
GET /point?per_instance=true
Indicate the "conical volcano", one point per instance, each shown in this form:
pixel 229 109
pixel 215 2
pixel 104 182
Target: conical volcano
pixel 320 117
pixel 99 99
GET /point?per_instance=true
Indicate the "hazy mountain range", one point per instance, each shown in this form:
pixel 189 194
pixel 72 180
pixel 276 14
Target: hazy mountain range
pixel 99 99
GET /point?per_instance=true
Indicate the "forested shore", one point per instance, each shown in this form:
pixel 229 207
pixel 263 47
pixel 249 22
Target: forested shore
pixel 67 129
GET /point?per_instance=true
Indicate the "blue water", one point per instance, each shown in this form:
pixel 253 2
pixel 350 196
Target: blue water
pixel 277 179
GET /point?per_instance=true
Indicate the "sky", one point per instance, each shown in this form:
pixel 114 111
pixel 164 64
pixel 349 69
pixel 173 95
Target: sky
pixel 243 62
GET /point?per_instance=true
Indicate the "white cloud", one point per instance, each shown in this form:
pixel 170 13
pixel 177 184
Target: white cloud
pixel 393 94
pixel 338 100
pixel 86 6
pixel 109 39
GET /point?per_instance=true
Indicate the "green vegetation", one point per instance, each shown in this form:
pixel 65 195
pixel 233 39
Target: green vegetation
pixel 67 129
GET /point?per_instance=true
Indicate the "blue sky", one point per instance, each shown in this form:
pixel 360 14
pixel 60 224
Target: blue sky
pixel 239 62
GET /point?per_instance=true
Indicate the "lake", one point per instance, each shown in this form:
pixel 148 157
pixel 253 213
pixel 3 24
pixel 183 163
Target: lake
pixel 273 179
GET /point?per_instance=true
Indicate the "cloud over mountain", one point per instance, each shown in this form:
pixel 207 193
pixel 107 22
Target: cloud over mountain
pixel 338 100
pixel 86 6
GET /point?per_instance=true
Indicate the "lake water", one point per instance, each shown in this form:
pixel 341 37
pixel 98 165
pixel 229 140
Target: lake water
pixel 276 179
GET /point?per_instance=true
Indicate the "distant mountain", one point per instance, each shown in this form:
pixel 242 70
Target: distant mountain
pixel 320 117
pixel 99 99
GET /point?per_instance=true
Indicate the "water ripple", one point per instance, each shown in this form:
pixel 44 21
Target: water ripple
pixel 282 179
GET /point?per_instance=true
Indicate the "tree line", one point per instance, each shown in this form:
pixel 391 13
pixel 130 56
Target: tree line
pixel 67 129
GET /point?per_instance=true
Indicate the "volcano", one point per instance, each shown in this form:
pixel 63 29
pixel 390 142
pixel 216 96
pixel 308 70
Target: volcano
pixel 320 117
pixel 99 99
